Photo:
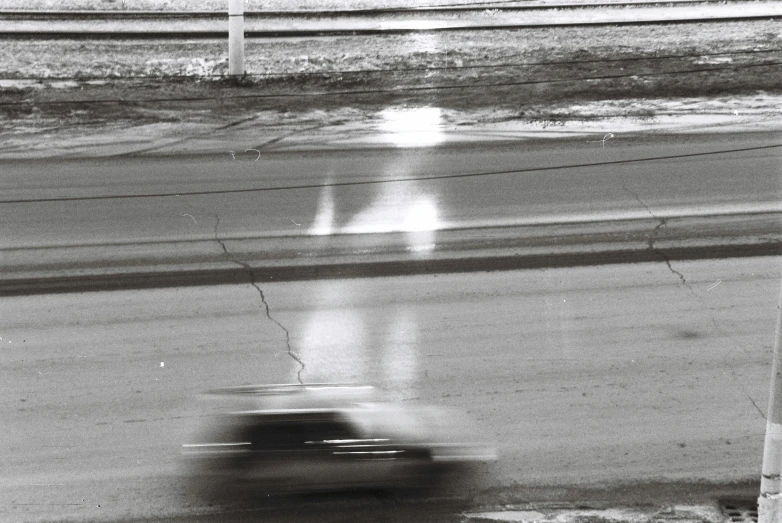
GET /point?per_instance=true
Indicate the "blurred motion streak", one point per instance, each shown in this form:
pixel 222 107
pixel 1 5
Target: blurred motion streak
pixel 271 439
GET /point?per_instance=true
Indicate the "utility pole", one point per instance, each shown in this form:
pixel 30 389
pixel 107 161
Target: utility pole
pixel 770 500
pixel 236 37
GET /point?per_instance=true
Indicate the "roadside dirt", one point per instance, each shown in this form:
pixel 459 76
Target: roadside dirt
pixel 547 76
pixel 523 71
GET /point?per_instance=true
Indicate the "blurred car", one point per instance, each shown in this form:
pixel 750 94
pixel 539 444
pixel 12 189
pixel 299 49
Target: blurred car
pixel 282 438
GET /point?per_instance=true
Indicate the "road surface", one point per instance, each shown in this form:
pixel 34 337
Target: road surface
pixel 129 213
pixel 583 376
pixel 290 193
pixel 587 376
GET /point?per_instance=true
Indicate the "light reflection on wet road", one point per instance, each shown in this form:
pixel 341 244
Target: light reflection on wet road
pixel 409 207
pixel 337 344
pixel 412 126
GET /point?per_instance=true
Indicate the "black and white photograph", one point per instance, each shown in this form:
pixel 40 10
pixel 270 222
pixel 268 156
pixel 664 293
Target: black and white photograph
pixel 398 261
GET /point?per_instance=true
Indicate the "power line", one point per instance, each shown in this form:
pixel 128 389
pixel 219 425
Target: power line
pixel 388 181
pixel 393 90
pixel 406 69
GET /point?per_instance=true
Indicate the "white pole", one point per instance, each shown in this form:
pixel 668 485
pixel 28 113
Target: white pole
pixel 236 37
pixel 770 500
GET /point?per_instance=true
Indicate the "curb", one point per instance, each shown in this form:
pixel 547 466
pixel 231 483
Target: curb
pixel 242 273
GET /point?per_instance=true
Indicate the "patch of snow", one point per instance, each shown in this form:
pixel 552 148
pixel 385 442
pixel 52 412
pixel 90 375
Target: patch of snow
pixel 64 84
pixel 20 84
pixel 714 60
pixel 512 515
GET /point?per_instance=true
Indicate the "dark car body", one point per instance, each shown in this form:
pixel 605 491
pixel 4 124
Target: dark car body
pixel 327 437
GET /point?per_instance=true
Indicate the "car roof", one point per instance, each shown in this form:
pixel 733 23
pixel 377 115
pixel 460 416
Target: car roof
pixel 283 398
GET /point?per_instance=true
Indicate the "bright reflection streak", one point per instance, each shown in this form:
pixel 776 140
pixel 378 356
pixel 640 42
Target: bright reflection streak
pixel 397 207
pixel 421 223
pixel 333 347
pixel 324 218
pixel 412 127
pixel 333 344
pixel 398 210
pixel 421 216
pixel 340 343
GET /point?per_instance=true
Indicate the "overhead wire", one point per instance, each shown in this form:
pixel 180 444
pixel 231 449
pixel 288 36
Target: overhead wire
pixel 387 180
pixel 392 90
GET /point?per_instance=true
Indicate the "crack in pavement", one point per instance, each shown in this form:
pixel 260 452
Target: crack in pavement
pixel 251 275
pixel 658 252
pixel 650 242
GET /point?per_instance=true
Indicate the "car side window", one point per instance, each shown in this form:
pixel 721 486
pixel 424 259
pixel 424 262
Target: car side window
pixel 291 433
